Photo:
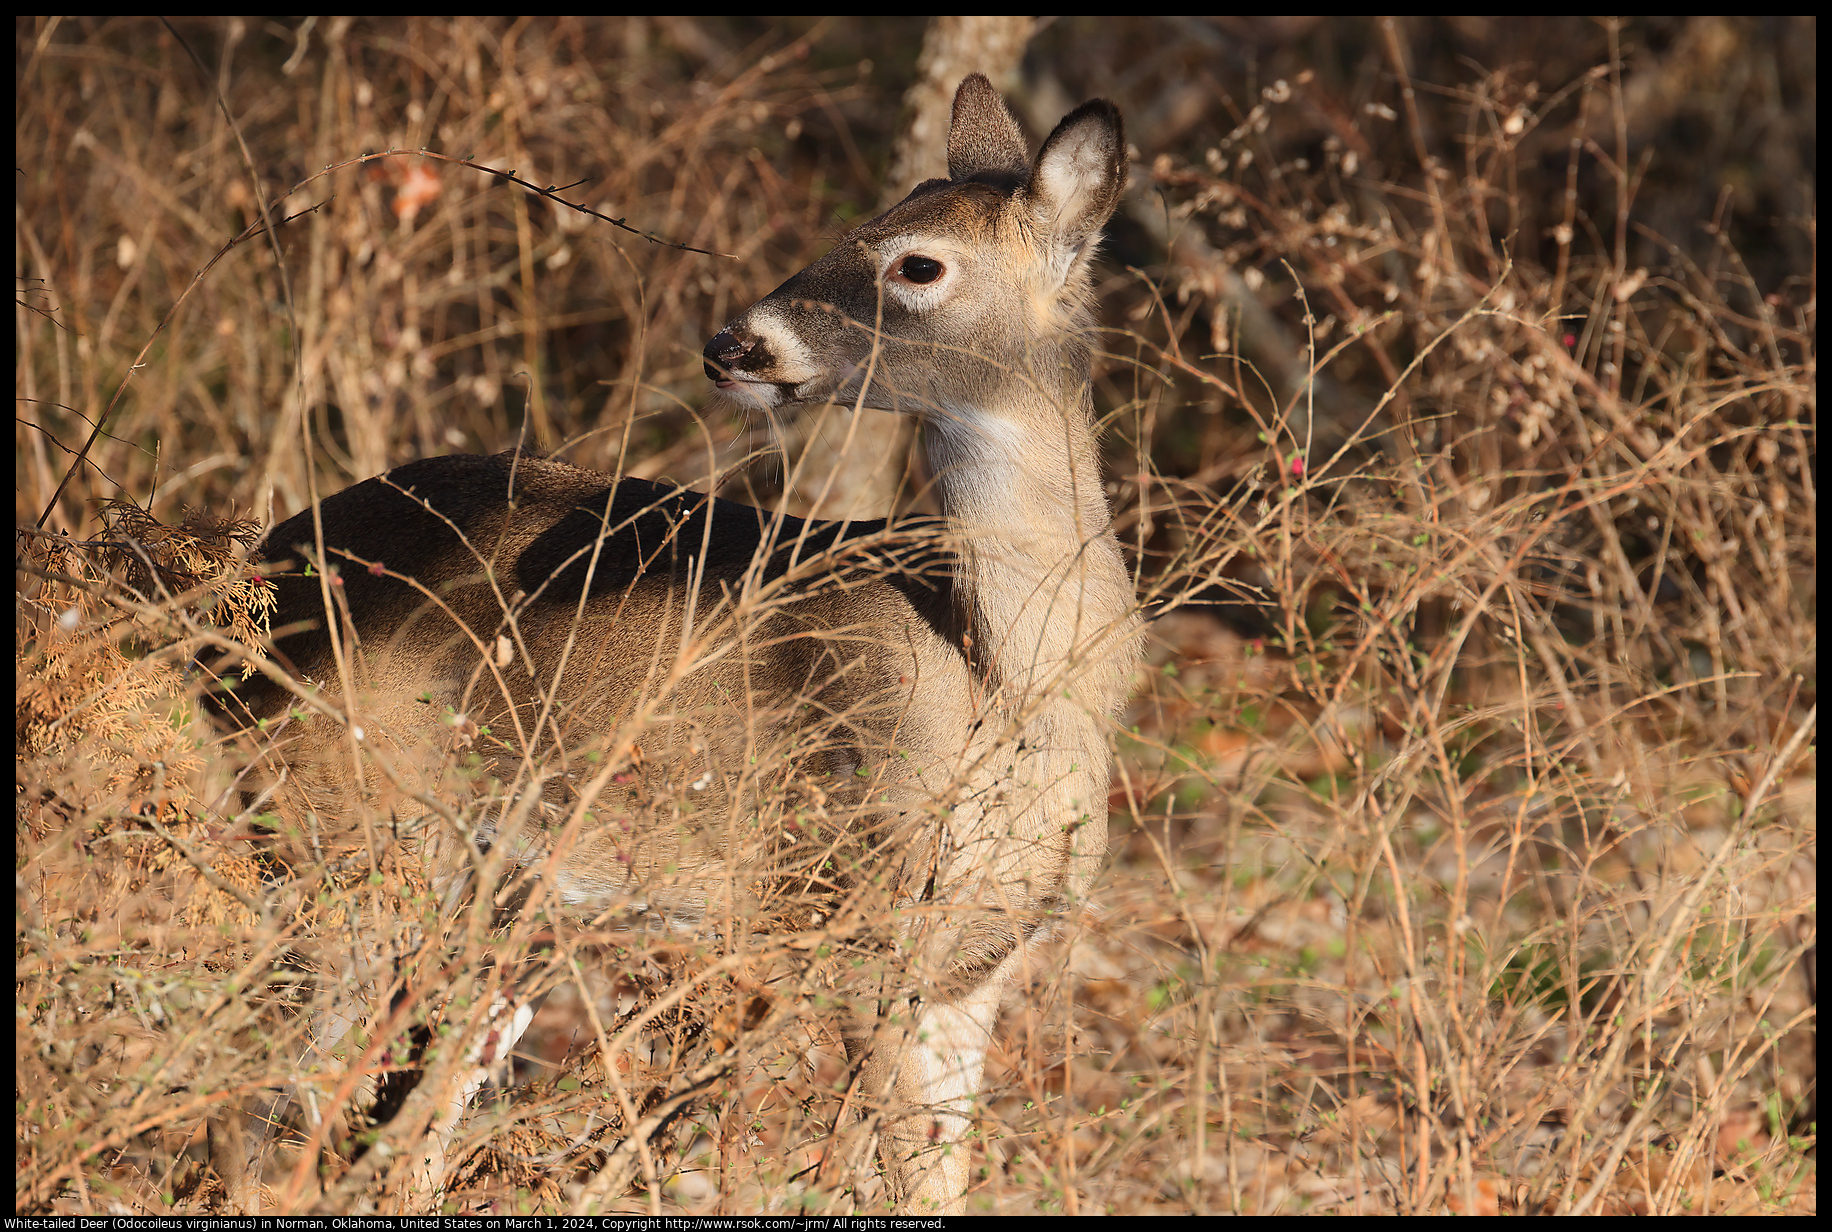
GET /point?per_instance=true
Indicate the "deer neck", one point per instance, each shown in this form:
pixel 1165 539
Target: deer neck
pixel 1040 586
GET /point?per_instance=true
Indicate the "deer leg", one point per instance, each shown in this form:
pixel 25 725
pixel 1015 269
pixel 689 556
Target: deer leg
pixel 239 1139
pixel 238 1148
pixel 508 1021
pixel 926 1077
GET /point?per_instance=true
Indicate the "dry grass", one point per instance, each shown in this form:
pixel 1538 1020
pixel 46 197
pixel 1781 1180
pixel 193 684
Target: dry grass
pixel 1470 865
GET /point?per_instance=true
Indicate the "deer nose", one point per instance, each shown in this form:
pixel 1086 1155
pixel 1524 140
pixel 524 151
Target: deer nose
pixel 723 353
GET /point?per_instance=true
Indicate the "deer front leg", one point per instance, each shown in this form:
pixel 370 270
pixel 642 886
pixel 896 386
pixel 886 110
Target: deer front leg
pixel 238 1139
pixel 927 1076
pixel 505 1023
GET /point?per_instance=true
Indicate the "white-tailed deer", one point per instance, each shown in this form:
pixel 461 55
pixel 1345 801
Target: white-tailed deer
pixel 952 688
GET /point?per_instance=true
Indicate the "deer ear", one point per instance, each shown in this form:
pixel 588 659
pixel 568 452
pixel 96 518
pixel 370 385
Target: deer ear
pixel 1081 172
pixel 984 140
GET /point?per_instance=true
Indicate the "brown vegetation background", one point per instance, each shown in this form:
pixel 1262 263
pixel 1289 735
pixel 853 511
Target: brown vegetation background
pixel 1459 389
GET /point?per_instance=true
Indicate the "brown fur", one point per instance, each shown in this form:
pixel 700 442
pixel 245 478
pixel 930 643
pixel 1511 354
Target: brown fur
pixel 548 604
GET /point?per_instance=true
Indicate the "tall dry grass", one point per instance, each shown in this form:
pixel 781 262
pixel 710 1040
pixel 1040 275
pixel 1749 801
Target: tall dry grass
pixel 1462 424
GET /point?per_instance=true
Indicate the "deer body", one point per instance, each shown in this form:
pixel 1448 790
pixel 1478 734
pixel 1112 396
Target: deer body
pixel 952 686
pixel 622 596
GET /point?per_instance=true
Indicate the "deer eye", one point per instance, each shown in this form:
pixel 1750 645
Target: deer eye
pixel 920 270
